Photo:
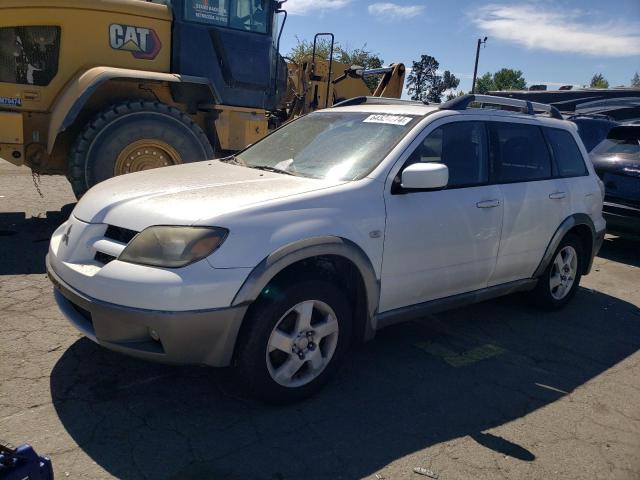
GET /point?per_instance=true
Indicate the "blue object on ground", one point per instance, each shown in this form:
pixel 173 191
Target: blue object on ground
pixel 23 463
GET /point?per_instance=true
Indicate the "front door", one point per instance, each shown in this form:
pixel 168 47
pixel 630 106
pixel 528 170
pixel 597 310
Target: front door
pixel 442 243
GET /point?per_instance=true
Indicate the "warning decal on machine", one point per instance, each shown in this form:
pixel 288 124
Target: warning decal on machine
pixel 388 119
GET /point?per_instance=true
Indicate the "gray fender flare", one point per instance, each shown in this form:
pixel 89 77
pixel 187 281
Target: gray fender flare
pixel 79 90
pixel 570 222
pixel 291 253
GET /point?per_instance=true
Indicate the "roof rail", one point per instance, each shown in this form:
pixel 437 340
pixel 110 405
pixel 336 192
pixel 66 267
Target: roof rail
pixel 463 102
pixel 376 101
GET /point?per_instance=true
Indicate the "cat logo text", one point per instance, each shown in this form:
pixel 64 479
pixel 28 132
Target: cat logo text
pixel 143 43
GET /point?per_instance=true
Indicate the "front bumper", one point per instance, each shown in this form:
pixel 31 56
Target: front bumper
pixel 199 337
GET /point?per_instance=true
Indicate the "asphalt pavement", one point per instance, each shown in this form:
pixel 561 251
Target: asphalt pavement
pixel 496 390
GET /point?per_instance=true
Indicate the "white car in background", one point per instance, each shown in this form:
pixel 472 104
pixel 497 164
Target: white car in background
pixel 336 225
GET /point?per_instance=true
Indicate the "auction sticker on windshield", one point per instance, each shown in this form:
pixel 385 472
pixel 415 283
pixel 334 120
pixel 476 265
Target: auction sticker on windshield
pixel 388 119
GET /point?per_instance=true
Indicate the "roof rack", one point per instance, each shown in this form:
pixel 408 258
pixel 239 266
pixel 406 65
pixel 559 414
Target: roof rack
pixel 376 101
pixel 530 108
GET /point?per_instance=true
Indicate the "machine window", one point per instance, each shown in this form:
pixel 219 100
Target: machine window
pixel 520 152
pixel 566 153
pixel 213 12
pixel 249 15
pixel 462 147
pixel 29 55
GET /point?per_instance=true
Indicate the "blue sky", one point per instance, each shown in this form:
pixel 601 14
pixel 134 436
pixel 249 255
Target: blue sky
pixel 553 42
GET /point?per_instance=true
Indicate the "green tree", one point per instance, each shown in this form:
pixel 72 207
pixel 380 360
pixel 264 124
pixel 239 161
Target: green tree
pixel 452 95
pixel 485 83
pixel 425 84
pixel 635 81
pixel 303 51
pixel 598 81
pixel 363 58
pixel 509 79
pixel 503 79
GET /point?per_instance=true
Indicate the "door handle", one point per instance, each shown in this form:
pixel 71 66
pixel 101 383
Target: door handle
pixel 488 204
pixel 557 195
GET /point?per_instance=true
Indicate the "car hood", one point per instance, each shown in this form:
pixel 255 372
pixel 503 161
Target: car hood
pixel 186 194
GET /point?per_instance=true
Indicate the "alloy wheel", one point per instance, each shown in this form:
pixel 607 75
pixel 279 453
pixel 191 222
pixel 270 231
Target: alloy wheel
pixel 302 343
pixel 563 272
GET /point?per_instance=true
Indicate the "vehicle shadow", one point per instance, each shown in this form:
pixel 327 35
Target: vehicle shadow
pixel 623 249
pixel 450 375
pixel 25 241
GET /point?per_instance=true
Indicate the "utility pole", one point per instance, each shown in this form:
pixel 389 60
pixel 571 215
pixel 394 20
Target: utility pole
pixel 475 69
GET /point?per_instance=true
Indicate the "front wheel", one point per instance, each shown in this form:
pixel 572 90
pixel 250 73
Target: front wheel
pixel 292 344
pixel 560 280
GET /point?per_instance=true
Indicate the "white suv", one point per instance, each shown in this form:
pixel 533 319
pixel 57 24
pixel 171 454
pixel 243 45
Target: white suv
pixel 336 225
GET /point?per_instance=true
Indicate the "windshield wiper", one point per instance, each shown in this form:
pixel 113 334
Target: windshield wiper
pixel 266 168
pixel 233 160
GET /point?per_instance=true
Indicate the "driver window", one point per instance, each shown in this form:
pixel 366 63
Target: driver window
pixel 462 147
pixel 249 15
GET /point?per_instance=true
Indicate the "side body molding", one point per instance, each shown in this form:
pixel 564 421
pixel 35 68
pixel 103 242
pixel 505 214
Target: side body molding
pixel 570 222
pixel 79 90
pixel 313 247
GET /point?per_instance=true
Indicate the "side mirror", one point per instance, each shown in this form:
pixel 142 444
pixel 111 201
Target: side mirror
pixel 425 176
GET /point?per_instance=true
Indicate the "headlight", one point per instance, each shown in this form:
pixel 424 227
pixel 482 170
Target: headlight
pixel 173 247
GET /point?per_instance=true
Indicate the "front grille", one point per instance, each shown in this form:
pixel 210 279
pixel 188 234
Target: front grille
pixel 29 55
pixel 103 258
pixel 119 234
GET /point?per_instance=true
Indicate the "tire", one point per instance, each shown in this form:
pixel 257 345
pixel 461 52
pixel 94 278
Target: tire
pixel 134 136
pixel 560 280
pixel 265 370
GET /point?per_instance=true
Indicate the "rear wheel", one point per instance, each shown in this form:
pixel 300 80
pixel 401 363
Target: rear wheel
pixel 559 282
pixel 292 344
pixel 131 137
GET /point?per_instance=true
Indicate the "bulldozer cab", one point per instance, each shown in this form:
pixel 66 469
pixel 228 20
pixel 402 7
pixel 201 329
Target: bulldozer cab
pixel 233 43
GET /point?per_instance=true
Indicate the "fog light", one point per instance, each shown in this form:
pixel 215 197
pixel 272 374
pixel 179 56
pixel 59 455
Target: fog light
pixel 154 334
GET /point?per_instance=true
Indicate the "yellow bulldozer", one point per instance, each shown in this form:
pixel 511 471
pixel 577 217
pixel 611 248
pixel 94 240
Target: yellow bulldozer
pixel 94 89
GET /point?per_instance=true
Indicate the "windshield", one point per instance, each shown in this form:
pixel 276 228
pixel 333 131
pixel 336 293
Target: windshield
pixel 621 140
pixel 329 145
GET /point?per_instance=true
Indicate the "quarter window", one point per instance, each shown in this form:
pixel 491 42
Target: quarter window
pixel 566 153
pixel 462 147
pixel 519 152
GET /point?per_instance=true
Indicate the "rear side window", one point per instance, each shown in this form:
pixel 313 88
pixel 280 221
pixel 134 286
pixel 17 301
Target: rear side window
pixel 519 152
pixel 566 153
pixel 462 147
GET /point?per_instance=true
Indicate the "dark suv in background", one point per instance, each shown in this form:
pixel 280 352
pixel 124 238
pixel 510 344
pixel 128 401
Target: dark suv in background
pixel 592 129
pixel 617 162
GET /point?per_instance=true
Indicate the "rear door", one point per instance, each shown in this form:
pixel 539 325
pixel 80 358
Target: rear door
pixel 535 201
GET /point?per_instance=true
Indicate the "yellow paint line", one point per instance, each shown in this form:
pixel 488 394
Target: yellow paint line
pixel 463 359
